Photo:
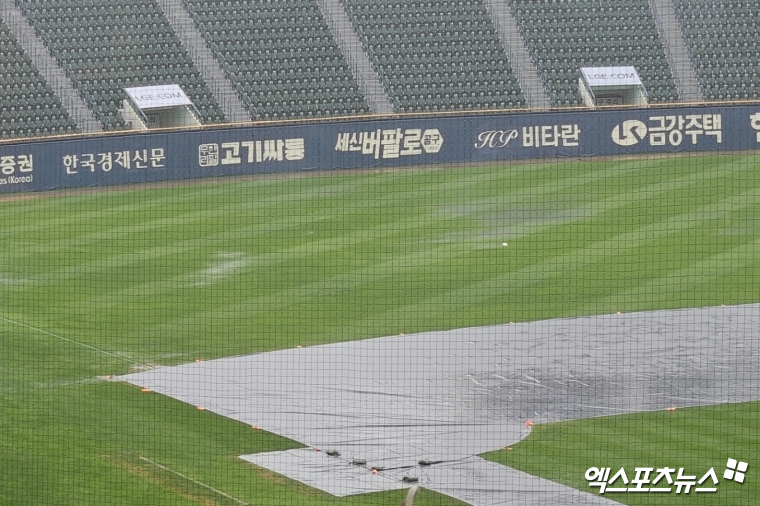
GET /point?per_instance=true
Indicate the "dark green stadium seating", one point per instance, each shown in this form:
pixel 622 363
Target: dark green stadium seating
pixel 280 56
pixel 284 62
pixel 436 55
pixel 107 45
pixel 563 36
pixel 28 106
pixel 724 43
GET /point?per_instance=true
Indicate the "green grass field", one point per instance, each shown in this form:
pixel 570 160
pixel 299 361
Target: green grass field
pixel 695 439
pixel 103 283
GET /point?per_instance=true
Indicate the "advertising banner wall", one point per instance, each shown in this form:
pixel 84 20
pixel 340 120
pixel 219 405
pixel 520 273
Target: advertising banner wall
pixel 212 152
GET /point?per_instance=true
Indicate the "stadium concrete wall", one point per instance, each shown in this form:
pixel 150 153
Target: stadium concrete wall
pixel 212 152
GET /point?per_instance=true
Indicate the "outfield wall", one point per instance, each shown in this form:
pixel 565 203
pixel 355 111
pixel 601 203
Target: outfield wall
pixel 89 161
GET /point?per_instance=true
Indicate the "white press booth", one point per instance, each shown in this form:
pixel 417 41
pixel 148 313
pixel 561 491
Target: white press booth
pixel 610 86
pixel 158 106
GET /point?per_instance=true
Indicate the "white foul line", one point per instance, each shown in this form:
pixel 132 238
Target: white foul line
pixel 228 496
pixel 84 345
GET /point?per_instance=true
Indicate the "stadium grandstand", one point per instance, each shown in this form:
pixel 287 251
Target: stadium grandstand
pixel 270 60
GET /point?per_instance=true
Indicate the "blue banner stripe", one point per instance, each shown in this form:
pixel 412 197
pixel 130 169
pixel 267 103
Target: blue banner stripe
pixel 135 158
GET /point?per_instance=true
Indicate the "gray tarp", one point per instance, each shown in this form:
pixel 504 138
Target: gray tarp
pixel 449 396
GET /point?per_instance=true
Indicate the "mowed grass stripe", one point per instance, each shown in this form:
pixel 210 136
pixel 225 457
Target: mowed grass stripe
pixel 85 230
pixel 563 259
pixel 376 278
pixel 56 213
pixel 290 224
pixel 580 270
pixel 83 220
pixel 271 223
pixel 194 221
pixel 61 213
pixel 399 262
pixel 441 255
pixel 707 271
pixel 262 262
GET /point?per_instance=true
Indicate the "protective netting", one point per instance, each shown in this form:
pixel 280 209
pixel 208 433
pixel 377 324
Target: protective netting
pixel 522 269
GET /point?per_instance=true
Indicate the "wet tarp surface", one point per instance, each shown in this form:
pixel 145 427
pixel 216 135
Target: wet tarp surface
pixel 445 397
